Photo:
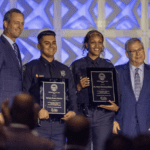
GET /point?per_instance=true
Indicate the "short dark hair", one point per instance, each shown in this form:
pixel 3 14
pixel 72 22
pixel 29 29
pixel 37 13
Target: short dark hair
pixel 8 14
pixel 46 32
pixel 132 40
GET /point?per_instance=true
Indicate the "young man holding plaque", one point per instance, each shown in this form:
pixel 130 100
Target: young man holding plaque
pixel 133 117
pixel 51 126
pixel 100 116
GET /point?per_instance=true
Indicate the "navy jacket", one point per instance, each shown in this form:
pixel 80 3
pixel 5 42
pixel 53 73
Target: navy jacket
pixel 132 112
pixel 78 68
pixel 10 72
pixel 40 68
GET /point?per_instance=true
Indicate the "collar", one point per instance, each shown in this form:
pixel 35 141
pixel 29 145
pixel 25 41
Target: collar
pixel 45 62
pixel 8 39
pixel 141 67
pixel 18 125
pixel 91 60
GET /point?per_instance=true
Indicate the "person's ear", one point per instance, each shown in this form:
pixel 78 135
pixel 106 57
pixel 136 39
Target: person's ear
pixel 39 46
pixel 5 24
pixel 127 54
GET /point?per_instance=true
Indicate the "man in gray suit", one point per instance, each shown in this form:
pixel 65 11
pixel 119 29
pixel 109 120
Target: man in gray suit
pixel 10 59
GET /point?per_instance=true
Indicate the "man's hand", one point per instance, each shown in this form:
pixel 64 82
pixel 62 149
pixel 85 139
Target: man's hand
pixel 112 107
pixel 1 119
pixel 84 82
pixel 43 114
pixel 149 129
pixel 115 127
pixel 68 115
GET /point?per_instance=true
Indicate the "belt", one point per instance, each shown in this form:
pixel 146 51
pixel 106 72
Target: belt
pixel 52 120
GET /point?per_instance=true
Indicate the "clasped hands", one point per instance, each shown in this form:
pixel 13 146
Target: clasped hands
pixel 44 114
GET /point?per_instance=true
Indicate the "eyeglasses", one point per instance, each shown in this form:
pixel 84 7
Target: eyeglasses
pixel 136 51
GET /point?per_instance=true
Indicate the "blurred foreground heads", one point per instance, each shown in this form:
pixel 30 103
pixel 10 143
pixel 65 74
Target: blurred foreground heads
pixel 77 133
pixel 23 114
pixel 142 142
pixel 118 142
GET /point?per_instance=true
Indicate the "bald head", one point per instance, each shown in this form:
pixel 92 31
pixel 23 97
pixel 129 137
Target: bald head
pixel 23 109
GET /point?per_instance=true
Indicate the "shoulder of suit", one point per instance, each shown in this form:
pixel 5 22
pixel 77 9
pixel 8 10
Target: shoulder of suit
pixel 147 66
pixel 123 66
pixel 2 43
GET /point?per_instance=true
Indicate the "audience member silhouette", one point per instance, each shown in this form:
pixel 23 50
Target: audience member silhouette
pixel 77 133
pixel 118 142
pixel 24 116
pixel 142 142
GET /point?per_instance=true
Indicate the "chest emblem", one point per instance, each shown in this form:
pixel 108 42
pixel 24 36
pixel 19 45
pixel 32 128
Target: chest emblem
pixel 63 73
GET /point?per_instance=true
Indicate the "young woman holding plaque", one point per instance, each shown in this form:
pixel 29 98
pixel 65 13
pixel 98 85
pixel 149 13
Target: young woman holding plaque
pixel 101 117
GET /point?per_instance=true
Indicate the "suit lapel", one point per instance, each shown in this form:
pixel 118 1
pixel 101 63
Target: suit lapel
pixel 145 81
pixel 10 51
pixel 127 78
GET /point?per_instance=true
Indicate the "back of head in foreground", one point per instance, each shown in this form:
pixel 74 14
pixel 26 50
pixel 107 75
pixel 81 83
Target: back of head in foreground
pixel 24 110
pixel 118 142
pixel 142 142
pixel 77 131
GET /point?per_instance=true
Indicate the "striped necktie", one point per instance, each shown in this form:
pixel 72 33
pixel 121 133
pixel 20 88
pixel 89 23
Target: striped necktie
pixel 16 50
pixel 137 87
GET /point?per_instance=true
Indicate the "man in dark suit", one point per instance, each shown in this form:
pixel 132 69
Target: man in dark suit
pixel 19 134
pixel 10 59
pixel 134 115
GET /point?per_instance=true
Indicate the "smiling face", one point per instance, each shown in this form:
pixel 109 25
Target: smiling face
pixel 14 26
pixel 136 53
pixel 48 47
pixel 94 46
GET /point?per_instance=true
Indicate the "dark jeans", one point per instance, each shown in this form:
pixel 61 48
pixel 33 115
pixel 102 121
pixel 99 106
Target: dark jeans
pixel 101 123
pixel 53 130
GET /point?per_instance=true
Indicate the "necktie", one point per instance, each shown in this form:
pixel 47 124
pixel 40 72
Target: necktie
pixel 94 63
pixel 137 87
pixel 50 69
pixel 16 50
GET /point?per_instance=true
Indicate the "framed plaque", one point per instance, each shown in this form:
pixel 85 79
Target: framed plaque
pixel 103 85
pixel 53 96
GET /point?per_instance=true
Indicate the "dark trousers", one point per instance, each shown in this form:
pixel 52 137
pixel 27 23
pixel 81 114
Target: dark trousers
pixel 101 123
pixel 53 130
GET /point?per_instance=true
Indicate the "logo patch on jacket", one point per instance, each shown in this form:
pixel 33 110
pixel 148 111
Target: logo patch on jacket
pixel 63 73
